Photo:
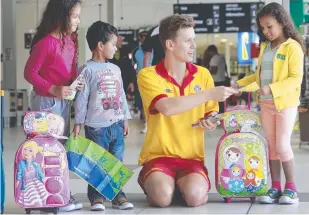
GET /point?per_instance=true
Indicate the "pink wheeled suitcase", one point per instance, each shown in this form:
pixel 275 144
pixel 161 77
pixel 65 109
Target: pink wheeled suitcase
pixel 41 168
pixel 241 156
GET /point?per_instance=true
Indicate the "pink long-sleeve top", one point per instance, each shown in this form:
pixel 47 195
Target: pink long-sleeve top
pixel 51 64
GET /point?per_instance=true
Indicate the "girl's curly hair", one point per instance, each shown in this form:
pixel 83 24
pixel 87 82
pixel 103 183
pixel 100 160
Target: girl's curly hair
pixel 56 15
pixel 278 12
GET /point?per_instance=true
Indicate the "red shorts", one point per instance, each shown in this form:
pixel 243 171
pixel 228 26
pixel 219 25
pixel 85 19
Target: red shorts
pixel 174 167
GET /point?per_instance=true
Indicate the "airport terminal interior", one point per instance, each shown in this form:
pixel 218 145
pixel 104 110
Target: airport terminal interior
pixel 230 25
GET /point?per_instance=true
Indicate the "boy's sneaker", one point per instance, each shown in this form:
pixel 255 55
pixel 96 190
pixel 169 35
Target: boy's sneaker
pixel 272 196
pixel 72 205
pixel 289 197
pixel 122 204
pixel 97 205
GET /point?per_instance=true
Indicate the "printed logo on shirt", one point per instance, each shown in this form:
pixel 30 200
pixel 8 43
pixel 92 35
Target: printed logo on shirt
pixel 281 56
pixel 197 88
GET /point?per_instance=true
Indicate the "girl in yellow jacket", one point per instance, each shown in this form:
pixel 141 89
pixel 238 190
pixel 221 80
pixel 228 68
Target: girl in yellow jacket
pixel 279 74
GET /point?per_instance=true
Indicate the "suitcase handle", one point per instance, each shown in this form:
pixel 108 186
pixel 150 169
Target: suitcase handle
pixel 248 105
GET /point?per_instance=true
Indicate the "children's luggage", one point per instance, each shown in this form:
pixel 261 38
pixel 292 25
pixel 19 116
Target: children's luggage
pixel 241 156
pixel 41 168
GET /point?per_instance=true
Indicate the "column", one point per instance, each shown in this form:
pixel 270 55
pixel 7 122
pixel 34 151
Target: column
pixel 111 12
pixel 9 44
pixel 227 57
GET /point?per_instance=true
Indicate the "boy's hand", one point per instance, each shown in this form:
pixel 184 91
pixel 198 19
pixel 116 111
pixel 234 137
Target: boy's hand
pixel 76 130
pixel 125 128
pixel 264 91
pixel 208 123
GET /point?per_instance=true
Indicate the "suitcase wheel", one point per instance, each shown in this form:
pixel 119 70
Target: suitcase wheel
pixel 252 199
pixel 28 211
pixel 227 200
pixel 55 211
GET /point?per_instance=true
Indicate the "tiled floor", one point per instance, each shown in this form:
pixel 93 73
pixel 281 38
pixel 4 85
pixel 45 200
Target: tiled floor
pixel 14 136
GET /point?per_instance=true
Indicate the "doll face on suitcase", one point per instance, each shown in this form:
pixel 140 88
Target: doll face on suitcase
pixel 232 155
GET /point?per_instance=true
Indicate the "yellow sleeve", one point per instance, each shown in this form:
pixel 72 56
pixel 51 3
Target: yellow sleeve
pixel 151 89
pixel 247 80
pixel 294 79
pixel 210 106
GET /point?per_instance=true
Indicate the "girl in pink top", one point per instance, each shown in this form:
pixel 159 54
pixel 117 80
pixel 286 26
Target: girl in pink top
pixel 52 64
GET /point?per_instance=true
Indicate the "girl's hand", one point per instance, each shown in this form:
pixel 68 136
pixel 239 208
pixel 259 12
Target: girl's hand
pixel 81 85
pixel 60 91
pixel 237 87
pixel 125 128
pixel 264 91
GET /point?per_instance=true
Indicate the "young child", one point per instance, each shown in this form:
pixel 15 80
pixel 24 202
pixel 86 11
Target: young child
pixel 52 64
pixel 279 74
pixel 102 104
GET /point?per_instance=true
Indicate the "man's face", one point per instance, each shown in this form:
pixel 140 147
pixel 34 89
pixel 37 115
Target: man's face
pixel 183 46
pixel 142 37
pixel 119 42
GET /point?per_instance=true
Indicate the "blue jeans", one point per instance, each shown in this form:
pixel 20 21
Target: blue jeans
pixel 111 139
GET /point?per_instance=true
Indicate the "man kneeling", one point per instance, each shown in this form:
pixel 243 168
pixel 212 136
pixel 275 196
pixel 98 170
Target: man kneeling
pixel 176 94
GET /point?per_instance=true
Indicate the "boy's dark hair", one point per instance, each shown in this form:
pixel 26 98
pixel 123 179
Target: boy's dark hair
pixel 278 12
pixel 99 32
pixel 171 24
pixel 56 14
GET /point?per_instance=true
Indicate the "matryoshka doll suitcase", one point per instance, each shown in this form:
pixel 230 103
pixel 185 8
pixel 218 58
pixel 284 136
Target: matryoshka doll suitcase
pixel 41 168
pixel 241 156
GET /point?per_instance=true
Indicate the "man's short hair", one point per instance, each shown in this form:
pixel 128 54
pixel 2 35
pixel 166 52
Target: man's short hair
pixel 99 32
pixel 171 24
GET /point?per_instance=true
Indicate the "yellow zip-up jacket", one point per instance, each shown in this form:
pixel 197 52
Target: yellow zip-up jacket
pixel 287 74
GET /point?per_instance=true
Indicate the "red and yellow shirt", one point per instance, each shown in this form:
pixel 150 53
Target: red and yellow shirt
pixel 173 136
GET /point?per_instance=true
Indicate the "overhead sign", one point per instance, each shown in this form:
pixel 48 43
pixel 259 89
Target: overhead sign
pixel 222 17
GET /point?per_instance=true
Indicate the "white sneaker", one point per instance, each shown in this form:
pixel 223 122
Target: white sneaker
pixel 97 207
pixel 289 197
pixel 122 204
pixel 69 207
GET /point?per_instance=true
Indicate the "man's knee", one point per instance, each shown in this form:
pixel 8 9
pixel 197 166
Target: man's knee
pixel 160 189
pixel 195 196
pixel 161 196
pixel 194 189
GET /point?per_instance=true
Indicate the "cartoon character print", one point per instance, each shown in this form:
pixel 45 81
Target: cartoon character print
pixel 233 122
pixel 53 124
pixel 236 182
pixel 30 177
pixel 232 155
pixel 255 181
pixel 40 123
pixel 109 88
